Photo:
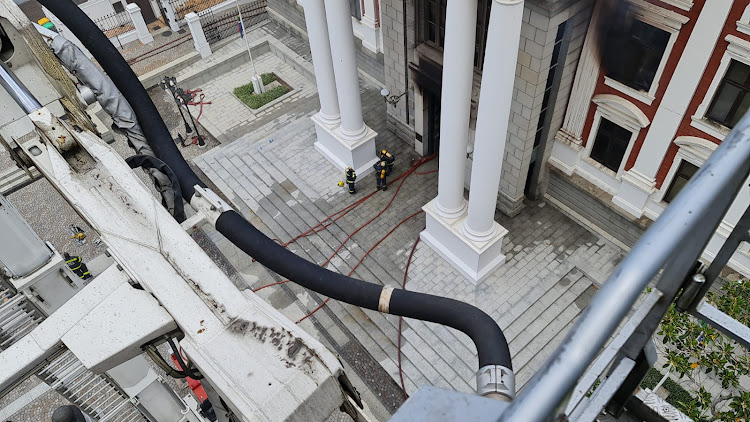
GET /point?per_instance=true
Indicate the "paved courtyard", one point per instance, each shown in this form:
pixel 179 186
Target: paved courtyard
pixel 275 177
pixel 265 164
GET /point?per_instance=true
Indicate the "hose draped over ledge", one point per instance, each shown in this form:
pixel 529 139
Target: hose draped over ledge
pixel 492 347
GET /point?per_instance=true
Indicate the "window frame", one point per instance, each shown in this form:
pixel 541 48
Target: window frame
pixel 660 18
pixel 622 113
pixel 739 50
pixel 693 150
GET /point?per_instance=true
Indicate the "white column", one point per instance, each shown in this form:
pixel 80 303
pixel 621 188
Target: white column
pixel 371 26
pixel 347 141
pixel 171 15
pixel 458 74
pixel 199 37
pixel 501 55
pixel 140 25
pixel 639 182
pixel 320 47
pixel 341 36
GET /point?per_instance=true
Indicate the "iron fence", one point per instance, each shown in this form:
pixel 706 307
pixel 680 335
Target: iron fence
pixel 183 7
pixel 226 24
pixel 115 24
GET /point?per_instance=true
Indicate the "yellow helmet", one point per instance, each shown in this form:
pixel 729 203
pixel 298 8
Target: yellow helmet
pixel 384 152
pixel 341 183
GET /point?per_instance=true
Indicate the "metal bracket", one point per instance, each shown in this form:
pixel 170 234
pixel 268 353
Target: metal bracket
pixel 208 203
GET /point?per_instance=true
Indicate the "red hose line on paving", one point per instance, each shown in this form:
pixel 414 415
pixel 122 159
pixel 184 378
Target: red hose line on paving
pixel 401 319
pixel 339 214
pixel 362 259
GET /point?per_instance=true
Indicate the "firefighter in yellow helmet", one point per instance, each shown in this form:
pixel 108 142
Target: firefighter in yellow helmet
pixel 389 160
pixel 351 177
pixel 381 172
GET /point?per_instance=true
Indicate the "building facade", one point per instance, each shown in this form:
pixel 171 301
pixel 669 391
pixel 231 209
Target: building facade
pixel 614 105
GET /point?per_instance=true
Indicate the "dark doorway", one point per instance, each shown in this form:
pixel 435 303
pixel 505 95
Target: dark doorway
pixel 433 123
pixel 146 10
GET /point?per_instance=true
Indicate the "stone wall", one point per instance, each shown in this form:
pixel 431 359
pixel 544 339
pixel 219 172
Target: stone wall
pixel 590 210
pixel 395 61
pixel 291 16
pixel 538 33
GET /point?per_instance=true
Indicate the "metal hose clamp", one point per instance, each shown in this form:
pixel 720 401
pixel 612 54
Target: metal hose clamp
pixel 496 379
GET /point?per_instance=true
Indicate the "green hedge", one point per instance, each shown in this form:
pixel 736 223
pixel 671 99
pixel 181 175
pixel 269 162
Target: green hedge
pixel 246 94
pixel 677 394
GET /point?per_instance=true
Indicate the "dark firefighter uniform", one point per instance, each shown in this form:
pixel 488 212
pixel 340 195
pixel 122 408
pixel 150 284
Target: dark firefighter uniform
pixel 389 160
pixel 77 266
pixel 351 177
pixel 381 172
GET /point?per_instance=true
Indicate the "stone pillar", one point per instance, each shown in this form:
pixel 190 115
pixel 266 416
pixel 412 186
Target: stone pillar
pixel 320 48
pixel 584 84
pixel 171 15
pixel 458 74
pixel 140 25
pixel 371 26
pixel 341 36
pixel 501 54
pixel 475 256
pixel 199 38
pixel 352 143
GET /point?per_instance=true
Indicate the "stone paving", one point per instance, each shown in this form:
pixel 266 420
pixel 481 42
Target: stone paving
pixel 274 176
pixel 166 47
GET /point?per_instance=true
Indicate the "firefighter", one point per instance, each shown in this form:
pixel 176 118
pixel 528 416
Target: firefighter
pixel 351 177
pixel 389 160
pixel 380 173
pixel 77 266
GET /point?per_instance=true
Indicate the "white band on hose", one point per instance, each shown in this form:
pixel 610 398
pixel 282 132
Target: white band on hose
pixel 385 299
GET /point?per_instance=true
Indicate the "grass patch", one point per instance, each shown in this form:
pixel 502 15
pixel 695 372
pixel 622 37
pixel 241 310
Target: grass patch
pixel 677 394
pixel 246 94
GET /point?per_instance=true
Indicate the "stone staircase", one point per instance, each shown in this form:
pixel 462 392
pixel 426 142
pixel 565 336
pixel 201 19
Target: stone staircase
pixel 253 176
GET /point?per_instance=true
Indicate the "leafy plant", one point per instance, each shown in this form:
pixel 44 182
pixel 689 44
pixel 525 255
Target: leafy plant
pixel 702 355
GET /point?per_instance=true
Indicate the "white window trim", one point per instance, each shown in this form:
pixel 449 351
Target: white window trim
pixel 739 50
pixel 685 5
pixel 743 25
pixel 693 150
pixel 659 18
pixel 621 112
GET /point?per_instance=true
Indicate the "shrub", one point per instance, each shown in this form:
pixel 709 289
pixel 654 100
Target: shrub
pixel 246 94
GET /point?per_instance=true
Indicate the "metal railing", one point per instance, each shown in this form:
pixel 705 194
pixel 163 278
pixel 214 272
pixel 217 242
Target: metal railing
pixel 115 24
pixel 222 25
pixel 669 249
pixel 183 7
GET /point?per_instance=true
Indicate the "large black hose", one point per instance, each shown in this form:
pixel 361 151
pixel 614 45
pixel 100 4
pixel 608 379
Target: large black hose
pixel 491 344
pixel 127 82
pixel 492 347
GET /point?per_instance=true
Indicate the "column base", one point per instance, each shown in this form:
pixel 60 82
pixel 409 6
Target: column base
pixel 359 154
pixel 475 260
pixel 635 190
pixel 370 34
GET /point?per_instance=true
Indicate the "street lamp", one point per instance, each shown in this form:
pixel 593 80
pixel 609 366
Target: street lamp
pixel 391 99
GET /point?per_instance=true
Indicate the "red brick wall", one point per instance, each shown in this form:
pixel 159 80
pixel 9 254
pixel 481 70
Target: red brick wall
pixel 730 27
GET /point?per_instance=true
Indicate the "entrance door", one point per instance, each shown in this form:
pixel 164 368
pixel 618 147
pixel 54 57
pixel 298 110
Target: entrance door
pixel 146 10
pixel 433 123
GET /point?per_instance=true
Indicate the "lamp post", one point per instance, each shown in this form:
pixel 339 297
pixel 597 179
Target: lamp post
pixel 258 87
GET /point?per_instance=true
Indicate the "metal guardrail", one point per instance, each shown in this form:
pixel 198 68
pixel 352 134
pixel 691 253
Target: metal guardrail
pixel 670 249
